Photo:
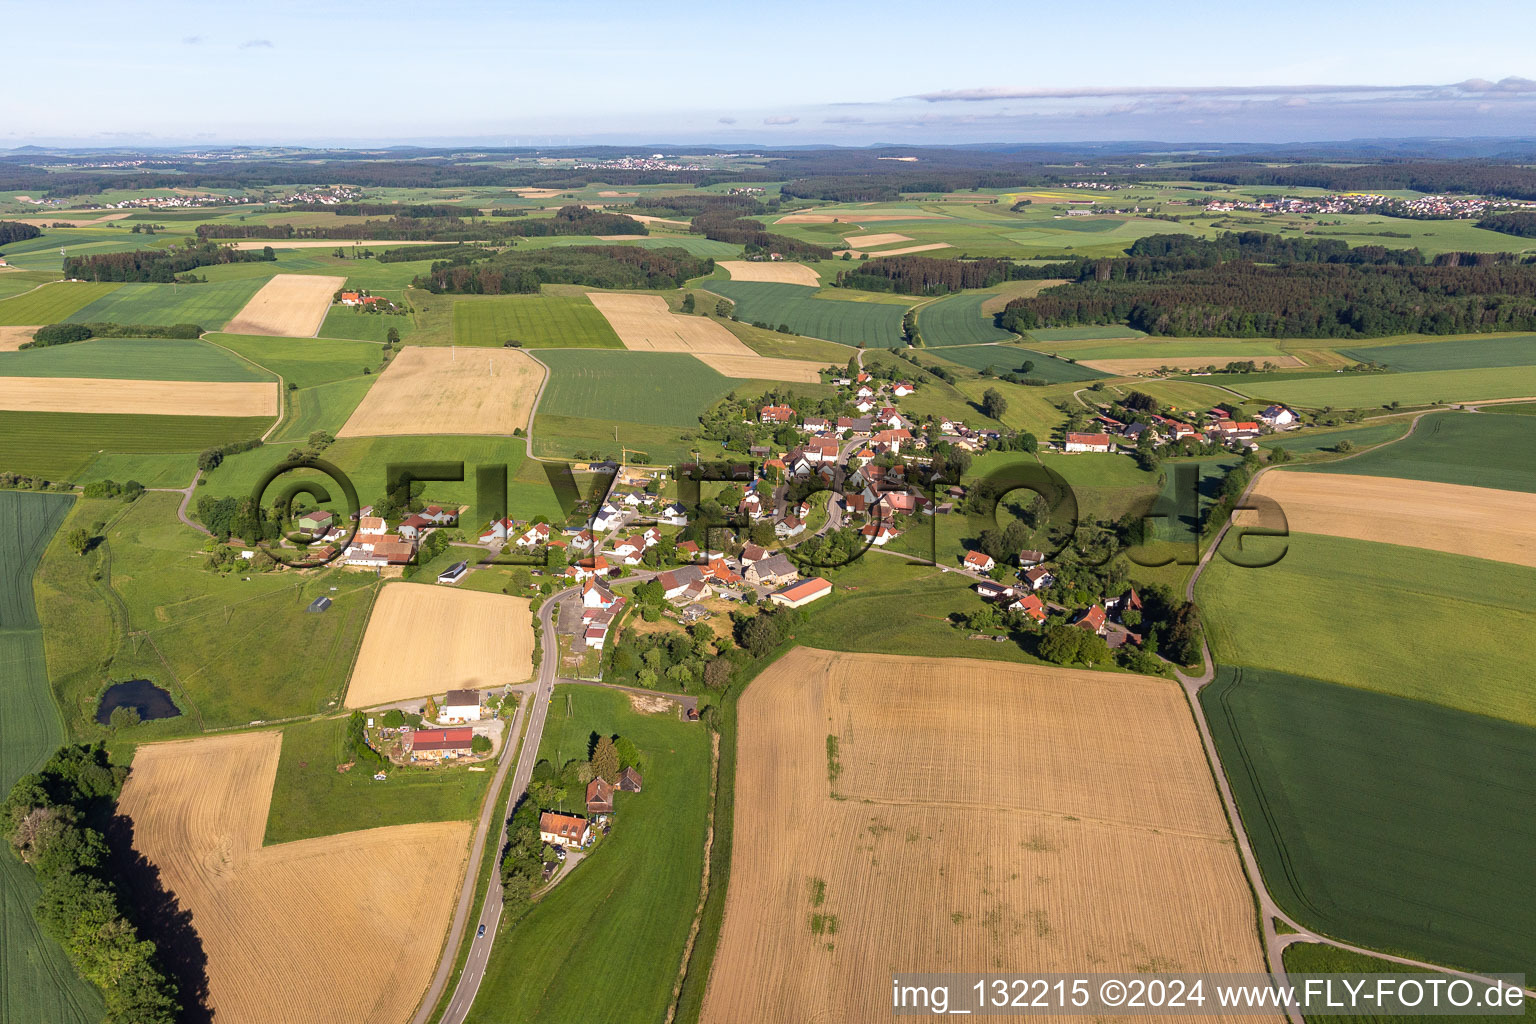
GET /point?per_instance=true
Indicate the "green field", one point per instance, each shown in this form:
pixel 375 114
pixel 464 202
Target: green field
pixel 51 303
pixel 628 907
pixel 222 644
pixel 875 324
pixel 37 982
pixel 657 389
pixel 59 445
pixel 1112 332
pixel 1388 822
pixel 310 798
pixel 695 244
pixel 1403 621
pixel 351 322
pixel 1316 958
pixel 958 320
pixel 324 407
pixel 131 359
pixel 1512 409
pixel 538 321
pixel 305 362
pixel 1464 354
pixel 1456 448
pixel 1011 359
pixel 14 282
pixel 1361 390
pixel 208 305
pixel 1304 441
pixel 172 469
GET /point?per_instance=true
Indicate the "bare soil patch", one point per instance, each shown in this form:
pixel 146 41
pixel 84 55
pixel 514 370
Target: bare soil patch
pixel 325 931
pixel 288 306
pixel 773 273
pixel 425 639
pixel 1476 521
pixel 12 338
pixel 910 814
pixel 161 397
pixel 651 705
pixel 434 390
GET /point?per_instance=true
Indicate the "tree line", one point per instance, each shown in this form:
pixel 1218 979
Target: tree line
pixel 55 820
pixel 568 220
pixel 1519 223
pixel 14 231
pixel 159 265
pixel 1247 300
pixel 597 266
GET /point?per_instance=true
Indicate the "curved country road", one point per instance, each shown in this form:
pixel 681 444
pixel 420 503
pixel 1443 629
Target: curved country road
pixel 1275 942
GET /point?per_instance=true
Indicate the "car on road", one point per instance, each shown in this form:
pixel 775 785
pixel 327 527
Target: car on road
pixel 480 934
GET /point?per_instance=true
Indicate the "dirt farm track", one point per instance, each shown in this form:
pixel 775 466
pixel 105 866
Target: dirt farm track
pixel 884 823
pixel 325 931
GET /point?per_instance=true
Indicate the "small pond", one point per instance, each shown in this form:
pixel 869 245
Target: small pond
pixel 148 699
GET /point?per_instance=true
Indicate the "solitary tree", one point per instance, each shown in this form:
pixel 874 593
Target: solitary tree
pixel 79 540
pixel 605 760
pixel 688 303
pixel 993 404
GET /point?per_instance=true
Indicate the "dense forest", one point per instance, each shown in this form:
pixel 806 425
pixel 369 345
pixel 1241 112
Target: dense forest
pixel 724 226
pixel 1519 223
pixel 13 231
pixel 924 275
pixel 597 266
pixel 1303 300
pixel 57 821
pixel 568 220
pixel 159 265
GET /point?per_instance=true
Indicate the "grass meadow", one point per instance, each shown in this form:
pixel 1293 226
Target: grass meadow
pixel 350 322
pixel 60 445
pixel 322 407
pixel 1310 441
pixel 1456 448
pixel 52 303
pixel 1462 354
pixel 209 305
pixel 1394 823
pixel 1363 390
pixel 132 359
pixel 630 904
pixel 1403 621
pixel 310 798
pixel 538 321
pixel 874 323
pixel 305 362
pixel 958 320
pixel 37 982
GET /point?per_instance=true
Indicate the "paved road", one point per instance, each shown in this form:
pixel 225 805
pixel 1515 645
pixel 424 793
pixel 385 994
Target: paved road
pixel 537 707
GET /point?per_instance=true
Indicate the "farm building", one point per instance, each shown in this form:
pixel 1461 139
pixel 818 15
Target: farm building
pixel 564 829
pixel 775 570
pixel 453 573
pixel 460 706
pixel 438 744
pixel 599 797
pixel 1089 443
pixel 629 780
pixel 803 593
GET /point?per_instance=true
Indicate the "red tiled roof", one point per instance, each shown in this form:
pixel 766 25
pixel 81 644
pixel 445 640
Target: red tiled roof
pixel 442 739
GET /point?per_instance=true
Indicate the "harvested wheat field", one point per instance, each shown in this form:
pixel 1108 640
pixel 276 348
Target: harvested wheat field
pixel 340 929
pixel 927 814
pixel 855 217
pixel 77 222
pixel 449 391
pixel 645 219
pixel 609 193
pixel 889 238
pixel 901 252
pixel 1476 521
pixel 162 397
pixel 288 306
pixel 12 338
pixel 425 639
pixel 772 273
pixel 645 324
pixel 1145 364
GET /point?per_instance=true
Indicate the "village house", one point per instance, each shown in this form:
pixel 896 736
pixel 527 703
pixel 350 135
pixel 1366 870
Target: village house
pixel 991 590
pixel 719 571
pixel 535 536
pixel 890 440
pixel 878 533
pixel 978 561
pixel 609 517
pixel 414 527
pixel 599 797
pixel 1279 417
pixel 1091 619
pixel 775 570
pixel 1029 604
pixel 497 532
pixel 438 744
pixel 371 526
pixel 798 595
pixel 1037 578
pixel 596 596
pixel 1027 558
pixel 1101 443
pixel 564 830
pixel 582 543
pixel 789 526
pixel 675 514
pixel 676 582
pixel 460 706
pixel 776 414
pixel 439 516
pixel 903 389
pixel 815 424
pixel 380 552
pixel 687 549
pixel 586 567
pixel 753 553
pixel 1128 601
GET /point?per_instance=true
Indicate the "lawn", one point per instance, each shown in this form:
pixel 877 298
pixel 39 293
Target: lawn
pixel 1456 448
pixel 324 407
pixel 1388 822
pixel 131 359
pixel 224 645
pixel 538 321
pixel 60 445
pixel 310 798
pixel 1404 621
pixel 629 906
pixel 305 362
pixel 1464 354
pixel 1361 390
pixel 958 320
pixel 51 303
pixel 875 324
pixel 208 305
pixel 37 982
pixel 352 322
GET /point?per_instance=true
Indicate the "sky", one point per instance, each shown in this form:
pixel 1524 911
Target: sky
pixel 86 72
